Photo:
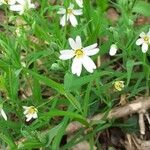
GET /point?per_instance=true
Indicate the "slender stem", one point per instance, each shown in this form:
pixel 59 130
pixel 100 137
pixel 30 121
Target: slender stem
pixel 51 98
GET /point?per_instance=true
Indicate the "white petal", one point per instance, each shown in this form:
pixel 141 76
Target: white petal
pixel 35 115
pixel 140 41
pixel 61 11
pixel 79 42
pixel 3 114
pixel 80 3
pixel 144 47
pixel 71 6
pixel 25 112
pixel 77 12
pixel 25 107
pixel 11 2
pixel 73 20
pixel 31 6
pixel 113 50
pixel 66 54
pixel 1 2
pixel 88 64
pixel 76 67
pixel 91 52
pixel 29 117
pixel 16 8
pixel 142 34
pixel 93 46
pixel 22 2
pixel 63 20
pixel 148 33
pixel 73 44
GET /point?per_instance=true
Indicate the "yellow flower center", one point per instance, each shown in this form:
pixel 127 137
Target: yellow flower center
pixel 146 38
pixel 32 110
pixel 79 53
pixel 119 85
pixel 69 11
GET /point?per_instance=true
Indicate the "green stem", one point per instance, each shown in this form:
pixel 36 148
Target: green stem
pixel 51 98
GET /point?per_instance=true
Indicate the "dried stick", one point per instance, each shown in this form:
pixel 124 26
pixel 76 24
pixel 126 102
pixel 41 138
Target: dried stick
pixel 142 104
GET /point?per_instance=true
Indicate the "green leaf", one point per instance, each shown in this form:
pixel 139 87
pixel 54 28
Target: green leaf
pixel 58 87
pixel 36 89
pixel 72 115
pixel 73 100
pixel 72 82
pixel 8 140
pixel 30 144
pixel 102 4
pixel 37 55
pixel 12 83
pixel 142 7
pixel 129 66
pixel 58 137
pixel 87 99
pixel 52 133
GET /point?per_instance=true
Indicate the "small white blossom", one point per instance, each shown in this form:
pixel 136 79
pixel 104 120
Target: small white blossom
pixel 80 3
pixel 30 112
pixel 80 56
pixel 113 50
pixel 9 2
pixel 69 15
pixel 144 40
pixel 2 113
pixel 22 6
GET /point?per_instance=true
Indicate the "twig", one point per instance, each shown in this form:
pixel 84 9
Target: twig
pixel 137 106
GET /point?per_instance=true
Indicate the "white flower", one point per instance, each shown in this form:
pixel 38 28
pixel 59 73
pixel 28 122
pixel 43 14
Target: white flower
pixel 30 112
pixel 10 2
pixel 22 6
pixel 80 55
pixel 113 50
pixel 3 113
pixel 69 15
pixel 144 40
pixel 80 3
